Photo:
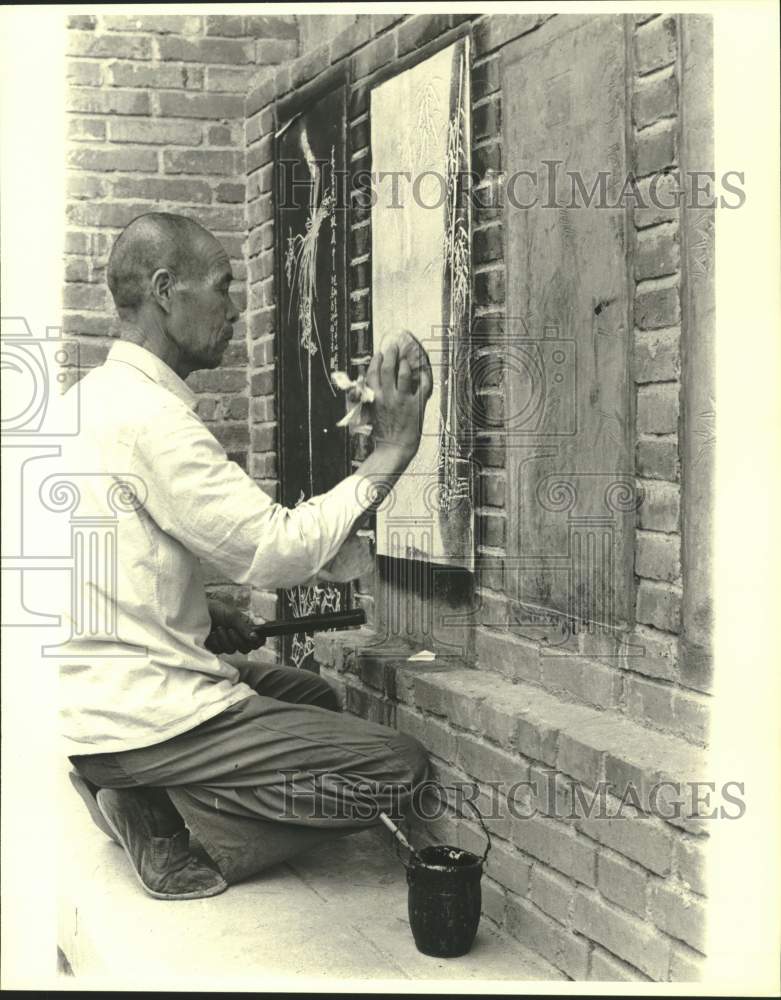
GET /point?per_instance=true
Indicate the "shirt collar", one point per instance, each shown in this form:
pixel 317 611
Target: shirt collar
pixel 153 367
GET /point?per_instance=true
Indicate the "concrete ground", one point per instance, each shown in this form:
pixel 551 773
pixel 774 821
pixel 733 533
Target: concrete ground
pixel 337 915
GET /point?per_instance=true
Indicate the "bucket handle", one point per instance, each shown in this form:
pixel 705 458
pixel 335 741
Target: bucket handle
pixel 461 816
pixel 479 815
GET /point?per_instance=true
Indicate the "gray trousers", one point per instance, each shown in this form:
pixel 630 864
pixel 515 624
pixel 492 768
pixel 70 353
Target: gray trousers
pixel 274 775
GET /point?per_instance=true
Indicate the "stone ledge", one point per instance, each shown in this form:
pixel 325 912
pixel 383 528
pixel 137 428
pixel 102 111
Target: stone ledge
pixel 585 743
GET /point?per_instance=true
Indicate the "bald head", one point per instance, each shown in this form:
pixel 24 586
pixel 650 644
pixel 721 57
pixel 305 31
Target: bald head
pixel 153 241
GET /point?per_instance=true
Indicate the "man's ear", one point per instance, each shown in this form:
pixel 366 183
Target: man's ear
pixel 163 284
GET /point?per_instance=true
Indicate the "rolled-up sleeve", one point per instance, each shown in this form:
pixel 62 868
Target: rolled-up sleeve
pixel 215 510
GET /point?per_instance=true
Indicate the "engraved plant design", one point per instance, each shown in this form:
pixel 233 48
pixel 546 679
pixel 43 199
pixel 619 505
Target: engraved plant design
pixel 454 486
pixel 317 599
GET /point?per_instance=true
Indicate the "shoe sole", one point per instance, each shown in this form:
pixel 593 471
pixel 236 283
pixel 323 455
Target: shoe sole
pixel 89 800
pixel 197 894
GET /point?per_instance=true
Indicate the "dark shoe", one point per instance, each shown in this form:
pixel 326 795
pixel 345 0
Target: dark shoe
pixel 164 865
pixel 85 790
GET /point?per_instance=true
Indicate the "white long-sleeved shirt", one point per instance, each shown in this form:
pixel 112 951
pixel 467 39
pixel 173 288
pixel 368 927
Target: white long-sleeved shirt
pixel 143 675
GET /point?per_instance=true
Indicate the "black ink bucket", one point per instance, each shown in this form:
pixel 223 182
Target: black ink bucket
pixel 444 897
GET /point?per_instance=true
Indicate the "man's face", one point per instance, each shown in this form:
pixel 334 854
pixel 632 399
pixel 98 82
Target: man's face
pixel 203 312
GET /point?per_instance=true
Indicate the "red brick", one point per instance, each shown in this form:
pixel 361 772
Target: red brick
pixel 231 193
pixel 557 845
pixel 260 154
pixel 220 380
pixel 86 129
pixel 486 78
pixel 90 297
pixel 171 24
pixel 199 161
pixel 439 739
pixel 658 307
pixel 606 968
pixel 488 244
pixel 656 355
pixel 77 269
pixel 223 135
pixel 691 862
pixel 658 199
pixel 85 186
pixel 487 158
pixel 552 893
pixel 493 531
pixel 488 763
pixel 656 148
pixel 691 718
pixel 507 866
pixel 228 51
pixel 590 682
pixel 487 120
pixel 658 556
pixel 621 882
pixel 494 30
pixel 507 656
pixel 274 26
pixel 225 25
pixel 658 408
pixel 659 604
pixel 123 74
pixel 272 52
pixel 83 22
pixel 656 45
pixel 565 950
pixel 373 56
pixel 263 383
pixel 623 935
pixel 185 192
pixel 83 74
pixel 83 43
pixel 156 133
pixel 230 79
pixel 654 99
pixel 660 653
pixel 263 409
pixel 686 966
pixel 679 915
pixel 657 458
pixel 660 507
pixel 309 65
pixel 489 287
pixel 107 102
pixel 636 837
pixel 350 38
pixel 231 436
pixel 211 106
pixel 127 160
pixel 86 325
pixel 419 29
pixel 657 252
pixel 492 491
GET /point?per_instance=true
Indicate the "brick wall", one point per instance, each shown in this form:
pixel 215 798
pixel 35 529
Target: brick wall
pixel 156 123
pixel 598 899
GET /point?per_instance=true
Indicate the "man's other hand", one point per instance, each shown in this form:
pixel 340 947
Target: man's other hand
pixel 401 391
pixel 232 631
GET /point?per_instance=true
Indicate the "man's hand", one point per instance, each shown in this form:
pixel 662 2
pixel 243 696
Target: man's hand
pixel 231 630
pixel 400 397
